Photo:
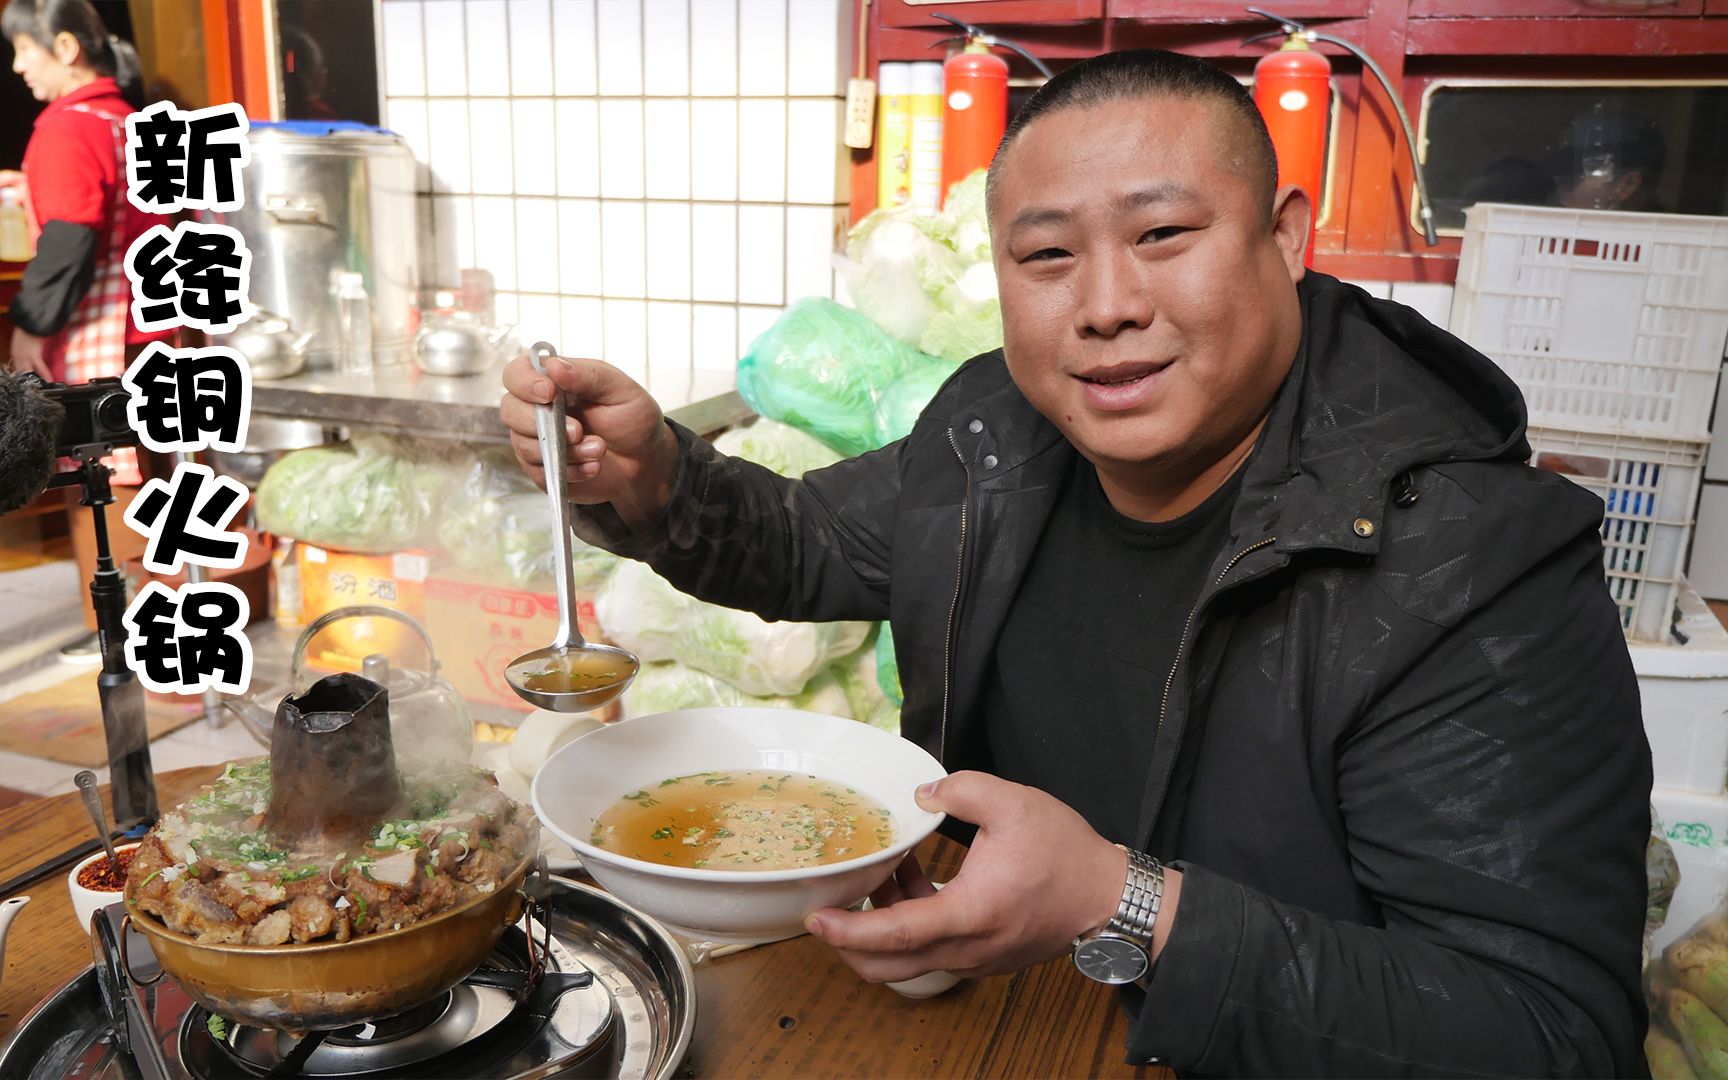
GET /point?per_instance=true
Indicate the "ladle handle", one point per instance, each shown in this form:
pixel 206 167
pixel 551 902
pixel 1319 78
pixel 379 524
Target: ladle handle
pixel 554 453
pixel 86 781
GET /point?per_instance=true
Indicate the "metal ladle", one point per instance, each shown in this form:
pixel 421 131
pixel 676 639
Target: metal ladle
pixel 602 672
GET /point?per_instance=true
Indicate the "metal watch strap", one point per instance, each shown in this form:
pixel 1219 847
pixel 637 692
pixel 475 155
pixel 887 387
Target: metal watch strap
pixel 1142 895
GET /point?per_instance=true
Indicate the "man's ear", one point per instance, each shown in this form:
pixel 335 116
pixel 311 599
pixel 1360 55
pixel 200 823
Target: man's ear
pixel 1292 216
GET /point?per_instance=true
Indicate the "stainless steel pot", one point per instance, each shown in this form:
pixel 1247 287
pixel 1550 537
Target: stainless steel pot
pixel 322 200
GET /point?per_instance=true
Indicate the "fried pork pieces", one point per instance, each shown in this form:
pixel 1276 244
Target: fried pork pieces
pixel 209 869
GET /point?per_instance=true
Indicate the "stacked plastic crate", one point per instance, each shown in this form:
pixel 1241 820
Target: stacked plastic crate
pixel 1614 326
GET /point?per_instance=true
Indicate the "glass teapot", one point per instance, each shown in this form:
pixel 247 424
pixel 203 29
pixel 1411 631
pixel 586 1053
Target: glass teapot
pixel 428 717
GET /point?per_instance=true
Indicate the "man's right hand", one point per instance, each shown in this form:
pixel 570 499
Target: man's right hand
pixel 621 451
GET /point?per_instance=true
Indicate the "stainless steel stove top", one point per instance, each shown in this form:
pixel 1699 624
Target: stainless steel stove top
pixel 618 999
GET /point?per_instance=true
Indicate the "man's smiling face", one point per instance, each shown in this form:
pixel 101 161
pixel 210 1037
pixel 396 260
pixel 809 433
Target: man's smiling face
pixel 1148 289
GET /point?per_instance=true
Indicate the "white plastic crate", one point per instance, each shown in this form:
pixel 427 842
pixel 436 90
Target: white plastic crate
pixel 1683 688
pixel 1607 320
pixel 1649 488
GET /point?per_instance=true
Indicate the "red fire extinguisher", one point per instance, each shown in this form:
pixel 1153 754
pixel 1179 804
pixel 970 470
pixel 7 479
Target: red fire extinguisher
pixel 974 111
pixel 974 102
pixel 1293 89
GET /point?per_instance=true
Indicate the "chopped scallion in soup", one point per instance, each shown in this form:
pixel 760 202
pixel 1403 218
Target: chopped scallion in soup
pixel 745 820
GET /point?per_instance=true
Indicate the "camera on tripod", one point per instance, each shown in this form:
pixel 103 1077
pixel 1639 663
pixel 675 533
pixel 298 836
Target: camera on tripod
pixel 95 419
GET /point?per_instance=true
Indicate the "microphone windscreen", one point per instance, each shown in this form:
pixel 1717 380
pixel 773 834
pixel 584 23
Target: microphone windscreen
pixel 29 433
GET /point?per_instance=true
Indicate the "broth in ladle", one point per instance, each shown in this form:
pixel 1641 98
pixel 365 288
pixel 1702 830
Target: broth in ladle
pixel 574 671
pixel 745 820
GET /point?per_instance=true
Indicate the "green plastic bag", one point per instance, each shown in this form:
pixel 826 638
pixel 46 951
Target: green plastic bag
pixel 823 369
pixel 906 397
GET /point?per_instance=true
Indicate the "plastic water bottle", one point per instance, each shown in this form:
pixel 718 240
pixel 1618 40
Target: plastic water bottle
pixel 356 311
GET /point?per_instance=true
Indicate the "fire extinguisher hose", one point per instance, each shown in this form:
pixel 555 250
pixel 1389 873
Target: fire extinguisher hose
pixel 1425 209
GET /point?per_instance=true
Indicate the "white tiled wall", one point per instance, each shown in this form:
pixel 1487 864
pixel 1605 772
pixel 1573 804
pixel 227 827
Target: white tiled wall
pixel 651 181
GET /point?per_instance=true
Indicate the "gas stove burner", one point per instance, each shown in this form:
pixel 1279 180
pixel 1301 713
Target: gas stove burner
pixel 616 999
pixel 497 1010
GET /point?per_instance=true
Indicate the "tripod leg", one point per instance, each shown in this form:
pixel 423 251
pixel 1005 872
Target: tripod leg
pixel 132 779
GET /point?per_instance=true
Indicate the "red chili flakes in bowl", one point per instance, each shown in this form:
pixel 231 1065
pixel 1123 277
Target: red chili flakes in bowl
pixel 105 874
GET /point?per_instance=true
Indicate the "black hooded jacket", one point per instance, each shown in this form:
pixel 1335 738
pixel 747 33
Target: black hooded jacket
pixel 1400 759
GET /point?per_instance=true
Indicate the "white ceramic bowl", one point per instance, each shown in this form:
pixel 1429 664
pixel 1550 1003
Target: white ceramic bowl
pixel 86 902
pixel 582 780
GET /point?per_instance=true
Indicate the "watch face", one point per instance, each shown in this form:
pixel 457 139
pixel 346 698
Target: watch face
pixel 1109 959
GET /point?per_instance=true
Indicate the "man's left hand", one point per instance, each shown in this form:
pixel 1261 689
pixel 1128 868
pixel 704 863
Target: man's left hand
pixel 28 354
pixel 1036 877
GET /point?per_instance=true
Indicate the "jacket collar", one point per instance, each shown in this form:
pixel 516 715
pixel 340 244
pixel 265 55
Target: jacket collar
pixel 1353 415
pixel 102 87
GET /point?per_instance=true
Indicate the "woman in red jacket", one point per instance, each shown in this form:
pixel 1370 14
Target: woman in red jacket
pixel 71 317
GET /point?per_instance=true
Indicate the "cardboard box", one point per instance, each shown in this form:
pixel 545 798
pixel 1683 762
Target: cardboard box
pixel 331 579
pixel 479 626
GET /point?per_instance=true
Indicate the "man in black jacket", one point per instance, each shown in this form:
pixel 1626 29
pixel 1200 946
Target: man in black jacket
pixel 1232 566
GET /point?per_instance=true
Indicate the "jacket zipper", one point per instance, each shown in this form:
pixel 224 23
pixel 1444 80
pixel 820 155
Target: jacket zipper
pixel 953 607
pixel 1182 642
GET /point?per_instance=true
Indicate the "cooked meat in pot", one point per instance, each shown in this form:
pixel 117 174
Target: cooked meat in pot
pixel 212 869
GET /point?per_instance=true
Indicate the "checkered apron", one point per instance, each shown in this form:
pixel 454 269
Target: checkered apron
pixel 93 341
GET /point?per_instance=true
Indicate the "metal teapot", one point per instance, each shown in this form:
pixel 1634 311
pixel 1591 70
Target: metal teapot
pixel 270 346
pixel 428 717
pixel 457 344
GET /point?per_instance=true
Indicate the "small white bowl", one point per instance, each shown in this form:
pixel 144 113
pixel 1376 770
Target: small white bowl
pixel 582 780
pixel 86 902
pixel 929 984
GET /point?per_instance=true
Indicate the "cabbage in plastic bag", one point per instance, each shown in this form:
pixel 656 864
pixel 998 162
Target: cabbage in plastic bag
pixel 669 686
pixel 501 526
pixel 967 319
pixel 864 697
pixel 822 368
pixel 887 667
pixel 928 279
pixel 894 257
pixel 644 613
pixel 777 446
pixel 376 495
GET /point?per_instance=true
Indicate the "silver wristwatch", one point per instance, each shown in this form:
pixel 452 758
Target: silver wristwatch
pixel 1121 950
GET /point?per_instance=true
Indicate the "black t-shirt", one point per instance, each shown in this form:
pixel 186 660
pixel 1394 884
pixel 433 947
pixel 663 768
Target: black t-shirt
pixel 1072 701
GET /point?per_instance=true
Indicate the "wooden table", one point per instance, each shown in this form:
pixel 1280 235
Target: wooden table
pixel 788 1009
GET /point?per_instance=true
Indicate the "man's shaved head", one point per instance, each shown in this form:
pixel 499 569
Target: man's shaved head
pixel 1243 142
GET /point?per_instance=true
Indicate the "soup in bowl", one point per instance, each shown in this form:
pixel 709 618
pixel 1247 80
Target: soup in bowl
pixel 733 824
